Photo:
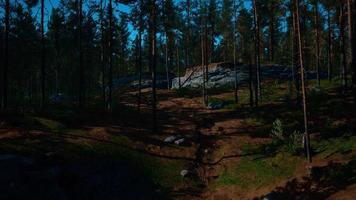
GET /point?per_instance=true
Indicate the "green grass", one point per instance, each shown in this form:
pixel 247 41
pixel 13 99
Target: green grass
pixel 256 172
pixel 328 147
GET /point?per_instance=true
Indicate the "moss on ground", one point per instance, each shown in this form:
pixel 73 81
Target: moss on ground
pixel 256 171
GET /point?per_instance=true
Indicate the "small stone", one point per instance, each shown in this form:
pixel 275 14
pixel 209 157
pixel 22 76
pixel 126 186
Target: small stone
pixel 184 172
pixel 180 141
pixel 170 139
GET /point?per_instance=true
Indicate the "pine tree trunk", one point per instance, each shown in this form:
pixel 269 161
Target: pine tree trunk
pixel 343 48
pixel 102 52
pixel 178 66
pixel 236 88
pixel 43 74
pixel 109 103
pixel 81 67
pixel 329 47
pixel 152 54
pixel 187 52
pixel 351 18
pixel 250 82
pixel 301 62
pixel 140 57
pixel 167 68
pixel 317 39
pixel 206 100
pixel 257 53
pixel 296 52
pixel 271 35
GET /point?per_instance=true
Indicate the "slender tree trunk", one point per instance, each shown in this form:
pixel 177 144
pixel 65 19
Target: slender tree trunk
pixel 250 81
pixel 152 54
pixel 167 68
pixel 329 47
pixel 1 64
pixel 343 48
pixel 187 52
pixel 43 73
pixel 81 67
pixel 236 88
pixel 109 104
pixel 317 39
pixel 178 66
pixel 257 53
pixel 140 57
pixel 296 52
pixel 351 5
pixel 206 100
pixel 102 52
pixel 301 61
pixel 271 34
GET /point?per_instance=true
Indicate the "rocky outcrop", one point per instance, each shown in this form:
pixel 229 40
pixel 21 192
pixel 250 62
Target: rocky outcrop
pixel 223 74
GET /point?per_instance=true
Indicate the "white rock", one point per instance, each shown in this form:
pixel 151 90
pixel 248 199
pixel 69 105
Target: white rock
pixel 170 139
pixel 184 172
pixel 180 141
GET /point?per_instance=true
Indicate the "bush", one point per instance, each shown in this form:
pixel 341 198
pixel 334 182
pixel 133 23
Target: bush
pixel 292 142
pixel 277 131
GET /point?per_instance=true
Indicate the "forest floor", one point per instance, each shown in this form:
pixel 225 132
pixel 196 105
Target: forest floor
pixel 228 153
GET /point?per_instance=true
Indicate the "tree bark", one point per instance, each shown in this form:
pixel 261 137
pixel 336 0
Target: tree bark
pixel 109 103
pixel 236 86
pixel 6 55
pixel 296 52
pixel 43 73
pixel 301 61
pixel 102 52
pixel 178 66
pixel 152 54
pixel 317 39
pixel 257 53
pixel 81 67
pixel 140 56
pixel 167 68
pixel 351 5
pixel 271 34
pixel 343 48
pixel 329 47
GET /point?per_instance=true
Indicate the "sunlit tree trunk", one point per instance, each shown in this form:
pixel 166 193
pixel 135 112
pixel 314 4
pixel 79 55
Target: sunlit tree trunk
pixel 301 62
